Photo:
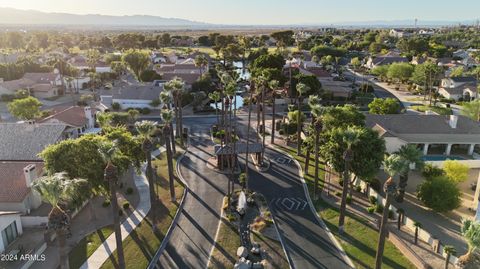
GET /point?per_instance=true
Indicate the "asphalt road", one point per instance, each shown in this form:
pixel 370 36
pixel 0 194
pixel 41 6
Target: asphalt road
pixel 308 245
pixel 193 238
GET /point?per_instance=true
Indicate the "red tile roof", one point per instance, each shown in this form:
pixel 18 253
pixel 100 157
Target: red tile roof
pixel 14 188
pixel 73 115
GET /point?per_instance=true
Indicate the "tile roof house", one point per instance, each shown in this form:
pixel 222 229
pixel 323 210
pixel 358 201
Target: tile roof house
pixel 17 177
pixel 23 141
pixel 182 68
pixel 426 130
pixel 41 85
pixel 373 62
pixel 464 88
pixel 78 119
pixel 131 96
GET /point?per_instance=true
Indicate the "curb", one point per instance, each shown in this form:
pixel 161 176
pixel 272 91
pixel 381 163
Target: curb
pixel 216 237
pixel 289 259
pixel 154 262
pixel 312 208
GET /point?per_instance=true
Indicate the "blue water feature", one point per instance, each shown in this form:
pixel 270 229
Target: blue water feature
pixel 238 100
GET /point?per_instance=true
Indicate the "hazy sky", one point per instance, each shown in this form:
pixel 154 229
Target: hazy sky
pixel 266 11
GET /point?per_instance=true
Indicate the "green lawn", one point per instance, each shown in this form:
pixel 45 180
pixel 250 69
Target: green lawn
pixel 142 243
pixel 436 109
pixel 360 240
pixel 224 254
pixel 87 246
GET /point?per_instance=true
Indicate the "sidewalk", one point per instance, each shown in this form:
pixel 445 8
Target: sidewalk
pixel 108 247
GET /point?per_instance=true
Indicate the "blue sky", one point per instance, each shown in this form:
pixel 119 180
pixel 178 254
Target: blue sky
pixel 266 11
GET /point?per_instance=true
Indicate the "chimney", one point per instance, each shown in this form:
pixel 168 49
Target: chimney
pixel 453 121
pixel 89 116
pixel 30 173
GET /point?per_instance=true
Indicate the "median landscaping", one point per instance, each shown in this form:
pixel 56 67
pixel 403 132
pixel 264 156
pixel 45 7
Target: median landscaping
pixel 437 109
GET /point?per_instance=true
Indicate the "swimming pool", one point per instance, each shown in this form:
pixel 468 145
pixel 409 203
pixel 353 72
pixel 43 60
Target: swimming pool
pixel 442 157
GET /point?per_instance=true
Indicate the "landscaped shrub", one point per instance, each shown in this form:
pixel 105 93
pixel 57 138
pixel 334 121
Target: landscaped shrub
pixel 349 199
pixel 106 203
pixel 358 188
pixel 116 106
pixel 371 209
pixel 440 194
pixel 145 111
pixel 340 182
pixel 379 208
pixel 129 190
pixel 126 205
pixel 372 199
pixel 230 217
pixel 338 194
pixel 390 214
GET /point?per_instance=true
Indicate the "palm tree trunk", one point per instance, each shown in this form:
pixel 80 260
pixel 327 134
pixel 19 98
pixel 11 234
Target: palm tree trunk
pixel 180 119
pixel 273 121
pixel 153 196
pixel 315 186
pixel 170 167
pixel 62 242
pixel 172 135
pixel 216 114
pixel 383 233
pixel 402 184
pixel 299 128
pixel 116 224
pixel 248 140
pixel 447 259
pixel 263 125
pixel 343 205
pixel 258 119
pixel 307 160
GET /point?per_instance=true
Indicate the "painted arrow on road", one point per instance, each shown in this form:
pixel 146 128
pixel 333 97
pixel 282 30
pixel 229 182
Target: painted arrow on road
pixel 289 203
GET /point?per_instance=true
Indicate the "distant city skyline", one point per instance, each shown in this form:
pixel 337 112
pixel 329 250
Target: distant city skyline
pixel 267 12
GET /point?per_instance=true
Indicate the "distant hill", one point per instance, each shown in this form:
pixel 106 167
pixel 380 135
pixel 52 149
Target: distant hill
pixel 33 17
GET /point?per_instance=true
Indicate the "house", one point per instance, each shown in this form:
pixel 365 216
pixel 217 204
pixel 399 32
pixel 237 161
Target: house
pixel 10 228
pixel 397 33
pixel 80 62
pixel 459 88
pixel 24 141
pixel 336 88
pixel 18 196
pixel 79 120
pixel 182 68
pixel 131 96
pixel 41 85
pixel 387 59
pixel 434 134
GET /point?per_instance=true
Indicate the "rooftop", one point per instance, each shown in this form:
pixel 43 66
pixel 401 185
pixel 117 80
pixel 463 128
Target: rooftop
pixel 12 176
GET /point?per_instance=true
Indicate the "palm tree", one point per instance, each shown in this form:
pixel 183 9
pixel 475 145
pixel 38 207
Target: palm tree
pixel 449 250
pixel 251 90
pixel 393 165
pixel 318 127
pixel 108 150
pixel 57 189
pixel 167 117
pixel 273 85
pixel 471 232
pixel 167 100
pixel 414 156
pixel 301 90
pixel 351 136
pixel 261 82
pixel 308 146
pixel 471 110
pixel 177 87
pixel 145 131
pixel 418 226
pixel 201 61
pixel 215 97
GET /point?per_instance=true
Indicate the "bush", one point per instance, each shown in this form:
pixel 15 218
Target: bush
pixel 126 205
pixel 230 217
pixel 358 188
pixel 429 171
pixel 129 190
pixel 349 199
pixel 145 111
pixel 149 76
pixel 372 199
pixel 120 212
pixel 371 209
pixel 390 214
pixel 339 194
pixel 116 106
pixel 440 194
pixel 379 208
pixel 106 203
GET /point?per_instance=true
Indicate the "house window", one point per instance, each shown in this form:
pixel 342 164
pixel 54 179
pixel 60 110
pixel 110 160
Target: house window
pixel 10 233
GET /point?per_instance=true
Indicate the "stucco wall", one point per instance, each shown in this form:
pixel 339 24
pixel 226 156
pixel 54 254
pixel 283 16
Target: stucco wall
pixel 6 220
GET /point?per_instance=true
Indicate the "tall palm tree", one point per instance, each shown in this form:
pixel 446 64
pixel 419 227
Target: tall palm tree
pixel 251 90
pixel 177 87
pixel 414 156
pixel 393 165
pixel 318 127
pixel 261 85
pixel 351 137
pixel 230 90
pixel 167 117
pixel 145 131
pixel 301 90
pixel 201 61
pixel 57 189
pixel 215 97
pixel 273 85
pixel 167 100
pixel 471 232
pixel 108 150
pixel 449 250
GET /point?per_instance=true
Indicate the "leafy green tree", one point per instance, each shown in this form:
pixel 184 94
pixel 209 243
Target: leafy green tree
pixel 201 62
pixel 314 85
pixel 321 50
pixel 268 61
pixel 424 73
pixel 400 71
pixel 456 171
pixel 57 190
pixel 302 89
pixel 380 71
pixel 440 194
pixel 413 46
pixel 25 109
pixel 283 38
pixel 457 72
pixel 107 151
pixel 137 61
pixel 380 106
pixel 149 76
pixel 93 56
pixel 472 109
pixel 355 62
pixel 342 117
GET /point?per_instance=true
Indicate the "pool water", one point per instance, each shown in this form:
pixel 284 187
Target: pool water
pixel 442 158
